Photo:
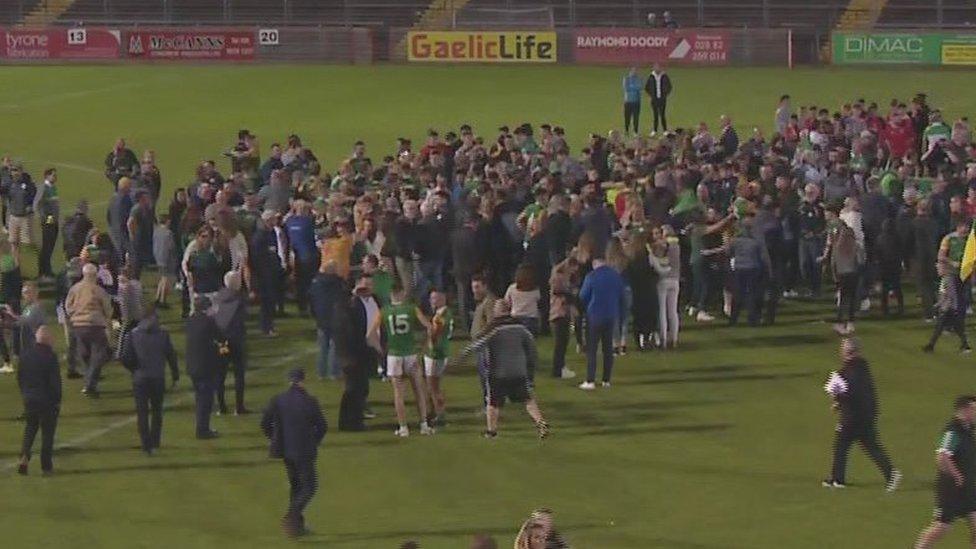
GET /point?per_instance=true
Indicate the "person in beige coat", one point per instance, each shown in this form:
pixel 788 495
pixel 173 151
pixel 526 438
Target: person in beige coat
pixel 89 309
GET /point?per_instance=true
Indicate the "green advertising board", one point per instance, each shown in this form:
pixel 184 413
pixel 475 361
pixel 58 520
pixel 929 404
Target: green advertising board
pixel 909 48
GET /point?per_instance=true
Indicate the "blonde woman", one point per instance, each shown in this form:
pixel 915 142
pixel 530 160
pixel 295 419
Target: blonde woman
pixel 665 257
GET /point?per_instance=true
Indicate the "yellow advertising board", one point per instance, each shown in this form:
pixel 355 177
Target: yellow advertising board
pixel 959 54
pixel 481 46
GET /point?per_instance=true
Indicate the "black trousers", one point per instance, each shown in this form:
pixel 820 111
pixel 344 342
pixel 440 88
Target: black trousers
pixel 867 435
pixel 747 295
pixel 847 304
pixel 49 235
pixel 950 320
pixel 304 272
pixel 631 116
pixel 658 106
pixel 353 402
pixel 236 362
pixel 203 389
pixel 599 334
pixel 303 482
pixel 148 394
pixel 267 290
pixel 891 283
pixel 43 417
pixel 560 332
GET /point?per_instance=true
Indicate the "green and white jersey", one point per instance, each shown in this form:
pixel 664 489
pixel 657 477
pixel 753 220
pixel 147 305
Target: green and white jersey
pixel 399 322
pixel 937 131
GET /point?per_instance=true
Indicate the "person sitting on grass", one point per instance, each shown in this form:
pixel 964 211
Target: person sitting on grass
pixel 512 360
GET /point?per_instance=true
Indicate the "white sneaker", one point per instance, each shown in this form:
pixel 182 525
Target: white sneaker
pixel 403 432
pixel 7 368
pixel 703 316
pixel 839 328
pixel 894 482
pixel 587 386
pixel 568 374
pixel 605 384
pixel 692 311
pixel 865 305
pixel 426 429
pixel 849 328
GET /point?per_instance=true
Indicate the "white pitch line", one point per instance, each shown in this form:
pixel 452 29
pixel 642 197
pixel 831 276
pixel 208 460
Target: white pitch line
pixel 118 424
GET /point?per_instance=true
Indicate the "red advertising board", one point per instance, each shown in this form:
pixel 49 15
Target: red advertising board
pixel 608 46
pixel 191 44
pixel 59 43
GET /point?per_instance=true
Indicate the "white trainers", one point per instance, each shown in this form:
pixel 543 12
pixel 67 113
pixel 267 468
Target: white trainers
pixel 703 316
pixel 587 386
pixel 7 368
pixel 605 384
pixel 849 328
pixel 568 374
pixel 865 305
pixel 426 429
pixel 894 482
pixel 692 311
pixel 403 432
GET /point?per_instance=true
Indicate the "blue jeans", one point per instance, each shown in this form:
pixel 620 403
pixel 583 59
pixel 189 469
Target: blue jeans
pixel 810 250
pixel 746 295
pixel 326 364
pixel 620 327
pixel 699 284
pixel 430 276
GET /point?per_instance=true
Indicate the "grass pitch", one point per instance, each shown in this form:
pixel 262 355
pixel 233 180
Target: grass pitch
pixel 720 444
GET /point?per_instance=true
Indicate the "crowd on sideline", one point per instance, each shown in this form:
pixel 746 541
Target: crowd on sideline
pixel 498 236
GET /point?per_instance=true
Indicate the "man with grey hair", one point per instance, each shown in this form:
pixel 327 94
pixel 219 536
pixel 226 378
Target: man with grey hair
pixel 855 399
pixel 266 268
pixel 811 226
pixel 230 313
pixel 89 309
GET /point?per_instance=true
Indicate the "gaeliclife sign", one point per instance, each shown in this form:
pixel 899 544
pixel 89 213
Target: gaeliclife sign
pixel 482 47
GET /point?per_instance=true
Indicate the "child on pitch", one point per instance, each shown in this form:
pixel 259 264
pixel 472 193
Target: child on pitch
pixel 950 312
pixel 435 358
pixel 399 320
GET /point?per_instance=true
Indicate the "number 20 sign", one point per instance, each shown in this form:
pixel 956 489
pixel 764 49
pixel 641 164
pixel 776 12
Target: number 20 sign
pixel 268 37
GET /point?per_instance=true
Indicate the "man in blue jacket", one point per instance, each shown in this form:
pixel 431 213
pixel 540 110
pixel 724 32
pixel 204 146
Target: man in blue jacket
pixel 145 353
pixel 602 294
pixel 632 99
pixel 295 426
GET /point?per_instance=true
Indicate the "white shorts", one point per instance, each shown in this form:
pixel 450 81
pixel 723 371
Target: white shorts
pixel 434 367
pixel 400 366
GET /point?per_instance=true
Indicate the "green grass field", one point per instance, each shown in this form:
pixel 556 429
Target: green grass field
pixel 720 444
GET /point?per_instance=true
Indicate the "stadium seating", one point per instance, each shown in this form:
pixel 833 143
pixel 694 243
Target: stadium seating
pixel 12 11
pixel 912 13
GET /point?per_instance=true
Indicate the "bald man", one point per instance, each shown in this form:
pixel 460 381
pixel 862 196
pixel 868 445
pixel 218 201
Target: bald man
pixel 39 378
pixel 856 401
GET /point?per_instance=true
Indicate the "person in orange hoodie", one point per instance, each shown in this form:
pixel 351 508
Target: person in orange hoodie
pixel 338 248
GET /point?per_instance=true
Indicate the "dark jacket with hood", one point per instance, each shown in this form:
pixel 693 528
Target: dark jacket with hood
pixel 147 350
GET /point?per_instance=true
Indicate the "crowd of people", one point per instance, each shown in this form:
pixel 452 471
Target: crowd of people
pixel 501 238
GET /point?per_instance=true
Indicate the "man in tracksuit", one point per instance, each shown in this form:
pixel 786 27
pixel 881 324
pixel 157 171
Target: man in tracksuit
pixel 658 86
pixel 202 363
pixel 295 426
pixel 512 359
pixel 955 486
pixel 39 378
pixel 602 294
pixel 855 399
pixel 19 190
pixel 145 353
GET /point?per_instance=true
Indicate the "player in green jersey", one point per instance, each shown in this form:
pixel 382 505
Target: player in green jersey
pixel 436 353
pixel 400 320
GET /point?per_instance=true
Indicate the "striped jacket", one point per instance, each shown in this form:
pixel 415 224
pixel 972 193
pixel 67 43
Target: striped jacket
pixel 510 349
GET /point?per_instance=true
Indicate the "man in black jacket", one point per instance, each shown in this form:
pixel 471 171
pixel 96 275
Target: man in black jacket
pixel 353 318
pixel 145 353
pixel 295 426
pixel 39 378
pixel 856 400
pixel 202 362
pixel 230 313
pixel 658 86
pixel 265 255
